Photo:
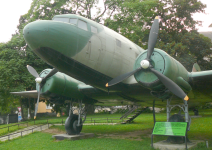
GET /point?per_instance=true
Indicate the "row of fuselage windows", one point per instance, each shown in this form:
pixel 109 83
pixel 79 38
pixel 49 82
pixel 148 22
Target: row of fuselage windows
pixel 81 24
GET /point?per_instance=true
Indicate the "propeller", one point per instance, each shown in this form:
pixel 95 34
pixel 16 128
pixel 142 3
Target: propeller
pixel 145 64
pixel 40 82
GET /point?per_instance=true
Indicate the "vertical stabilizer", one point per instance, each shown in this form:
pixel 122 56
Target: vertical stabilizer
pixel 196 68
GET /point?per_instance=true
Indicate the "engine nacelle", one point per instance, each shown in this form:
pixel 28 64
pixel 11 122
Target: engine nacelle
pixel 166 65
pixel 60 84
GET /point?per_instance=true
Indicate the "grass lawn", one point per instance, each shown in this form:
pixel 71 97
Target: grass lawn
pixel 128 136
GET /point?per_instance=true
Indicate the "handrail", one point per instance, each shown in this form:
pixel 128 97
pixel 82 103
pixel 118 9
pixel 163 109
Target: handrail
pixel 129 112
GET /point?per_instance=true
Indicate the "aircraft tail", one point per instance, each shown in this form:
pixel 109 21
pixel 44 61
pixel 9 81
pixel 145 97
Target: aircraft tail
pixel 196 68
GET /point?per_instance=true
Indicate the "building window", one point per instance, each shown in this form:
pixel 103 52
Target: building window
pixel 82 25
pixel 93 29
pixel 48 107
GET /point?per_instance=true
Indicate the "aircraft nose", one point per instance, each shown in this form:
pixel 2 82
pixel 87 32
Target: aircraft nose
pixel 35 33
pixel 46 37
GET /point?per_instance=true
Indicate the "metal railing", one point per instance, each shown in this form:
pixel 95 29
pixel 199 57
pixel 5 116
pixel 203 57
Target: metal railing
pixel 21 132
pixel 129 112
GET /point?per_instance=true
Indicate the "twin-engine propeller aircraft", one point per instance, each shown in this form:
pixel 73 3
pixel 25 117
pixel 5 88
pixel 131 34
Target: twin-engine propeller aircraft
pixel 111 69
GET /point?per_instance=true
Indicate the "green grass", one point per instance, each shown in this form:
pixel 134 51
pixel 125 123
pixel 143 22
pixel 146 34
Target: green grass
pixel 43 141
pixel 200 130
pixel 5 131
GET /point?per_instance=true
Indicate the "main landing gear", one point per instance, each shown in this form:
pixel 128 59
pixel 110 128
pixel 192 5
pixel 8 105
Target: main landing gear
pixel 74 123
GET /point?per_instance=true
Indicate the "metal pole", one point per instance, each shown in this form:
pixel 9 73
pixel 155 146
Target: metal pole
pixel 21 133
pixel 167 110
pixel 80 107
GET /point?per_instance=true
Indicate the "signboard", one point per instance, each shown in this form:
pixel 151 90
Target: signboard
pixel 170 128
pixel 19 114
pixel 19 109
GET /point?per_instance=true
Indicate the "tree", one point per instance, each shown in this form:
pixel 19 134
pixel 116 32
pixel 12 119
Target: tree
pixel 178 35
pixel 15 54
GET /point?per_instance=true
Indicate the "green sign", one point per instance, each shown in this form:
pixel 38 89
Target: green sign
pixel 170 128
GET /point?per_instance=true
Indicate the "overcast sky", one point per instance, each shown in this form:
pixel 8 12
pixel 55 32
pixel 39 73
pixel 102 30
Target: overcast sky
pixel 11 10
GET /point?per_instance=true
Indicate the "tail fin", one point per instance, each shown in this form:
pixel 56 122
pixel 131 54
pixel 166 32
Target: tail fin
pixel 196 68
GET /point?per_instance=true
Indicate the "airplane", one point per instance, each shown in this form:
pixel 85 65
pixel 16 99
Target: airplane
pixel 96 65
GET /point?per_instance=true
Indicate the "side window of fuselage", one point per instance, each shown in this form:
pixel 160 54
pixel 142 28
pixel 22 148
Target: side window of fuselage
pixel 118 43
pixel 94 29
pixel 62 19
pixel 73 21
pixel 82 25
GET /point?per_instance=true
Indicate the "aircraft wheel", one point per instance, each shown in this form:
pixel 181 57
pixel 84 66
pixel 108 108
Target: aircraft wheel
pixel 71 125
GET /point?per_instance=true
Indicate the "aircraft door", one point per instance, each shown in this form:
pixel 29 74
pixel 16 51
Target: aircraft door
pixel 95 48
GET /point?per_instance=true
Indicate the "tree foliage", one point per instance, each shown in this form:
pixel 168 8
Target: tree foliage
pixel 178 35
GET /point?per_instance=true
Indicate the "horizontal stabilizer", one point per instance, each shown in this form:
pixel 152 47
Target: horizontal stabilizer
pixel 201 78
pixel 31 94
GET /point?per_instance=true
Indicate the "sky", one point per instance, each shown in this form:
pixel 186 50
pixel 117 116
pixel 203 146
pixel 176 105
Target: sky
pixel 11 10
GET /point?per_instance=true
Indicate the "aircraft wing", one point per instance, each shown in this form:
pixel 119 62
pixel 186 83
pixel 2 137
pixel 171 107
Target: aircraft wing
pixel 31 94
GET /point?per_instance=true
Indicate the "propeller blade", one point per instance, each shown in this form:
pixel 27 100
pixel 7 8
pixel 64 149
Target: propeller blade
pixel 51 73
pixel 122 77
pixel 153 37
pixel 32 71
pixel 36 108
pixel 173 87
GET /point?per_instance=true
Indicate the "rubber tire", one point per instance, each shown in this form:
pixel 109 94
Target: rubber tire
pixel 71 125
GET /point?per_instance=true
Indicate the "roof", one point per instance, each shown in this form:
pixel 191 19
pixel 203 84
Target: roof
pixel 207 34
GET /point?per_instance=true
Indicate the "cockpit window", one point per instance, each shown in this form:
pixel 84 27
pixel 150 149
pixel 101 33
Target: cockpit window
pixel 73 21
pixel 62 19
pixel 82 25
pixel 93 29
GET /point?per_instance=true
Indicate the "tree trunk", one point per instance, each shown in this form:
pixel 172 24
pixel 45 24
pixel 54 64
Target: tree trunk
pixel 22 114
pixel 90 109
pixel 30 110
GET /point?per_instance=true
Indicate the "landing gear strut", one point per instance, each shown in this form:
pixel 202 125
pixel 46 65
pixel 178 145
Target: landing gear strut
pixel 74 123
pixel 178 118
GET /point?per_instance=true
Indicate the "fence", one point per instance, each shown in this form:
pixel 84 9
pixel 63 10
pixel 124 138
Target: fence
pixel 22 133
pixel 47 122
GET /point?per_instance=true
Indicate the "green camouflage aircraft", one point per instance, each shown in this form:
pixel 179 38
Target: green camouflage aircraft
pixel 95 65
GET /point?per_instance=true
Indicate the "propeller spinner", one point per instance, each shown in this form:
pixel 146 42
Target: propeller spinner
pixel 145 64
pixel 40 82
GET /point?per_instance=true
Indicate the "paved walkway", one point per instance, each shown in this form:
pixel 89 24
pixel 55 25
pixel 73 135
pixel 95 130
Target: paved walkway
pixel 34 128
pixel 24 131
pixel 84 124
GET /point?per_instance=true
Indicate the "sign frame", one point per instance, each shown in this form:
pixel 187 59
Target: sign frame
pixel 162 131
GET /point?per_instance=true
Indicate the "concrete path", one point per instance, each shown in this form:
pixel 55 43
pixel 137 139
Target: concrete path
pixel 84 124
pixel 24 132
